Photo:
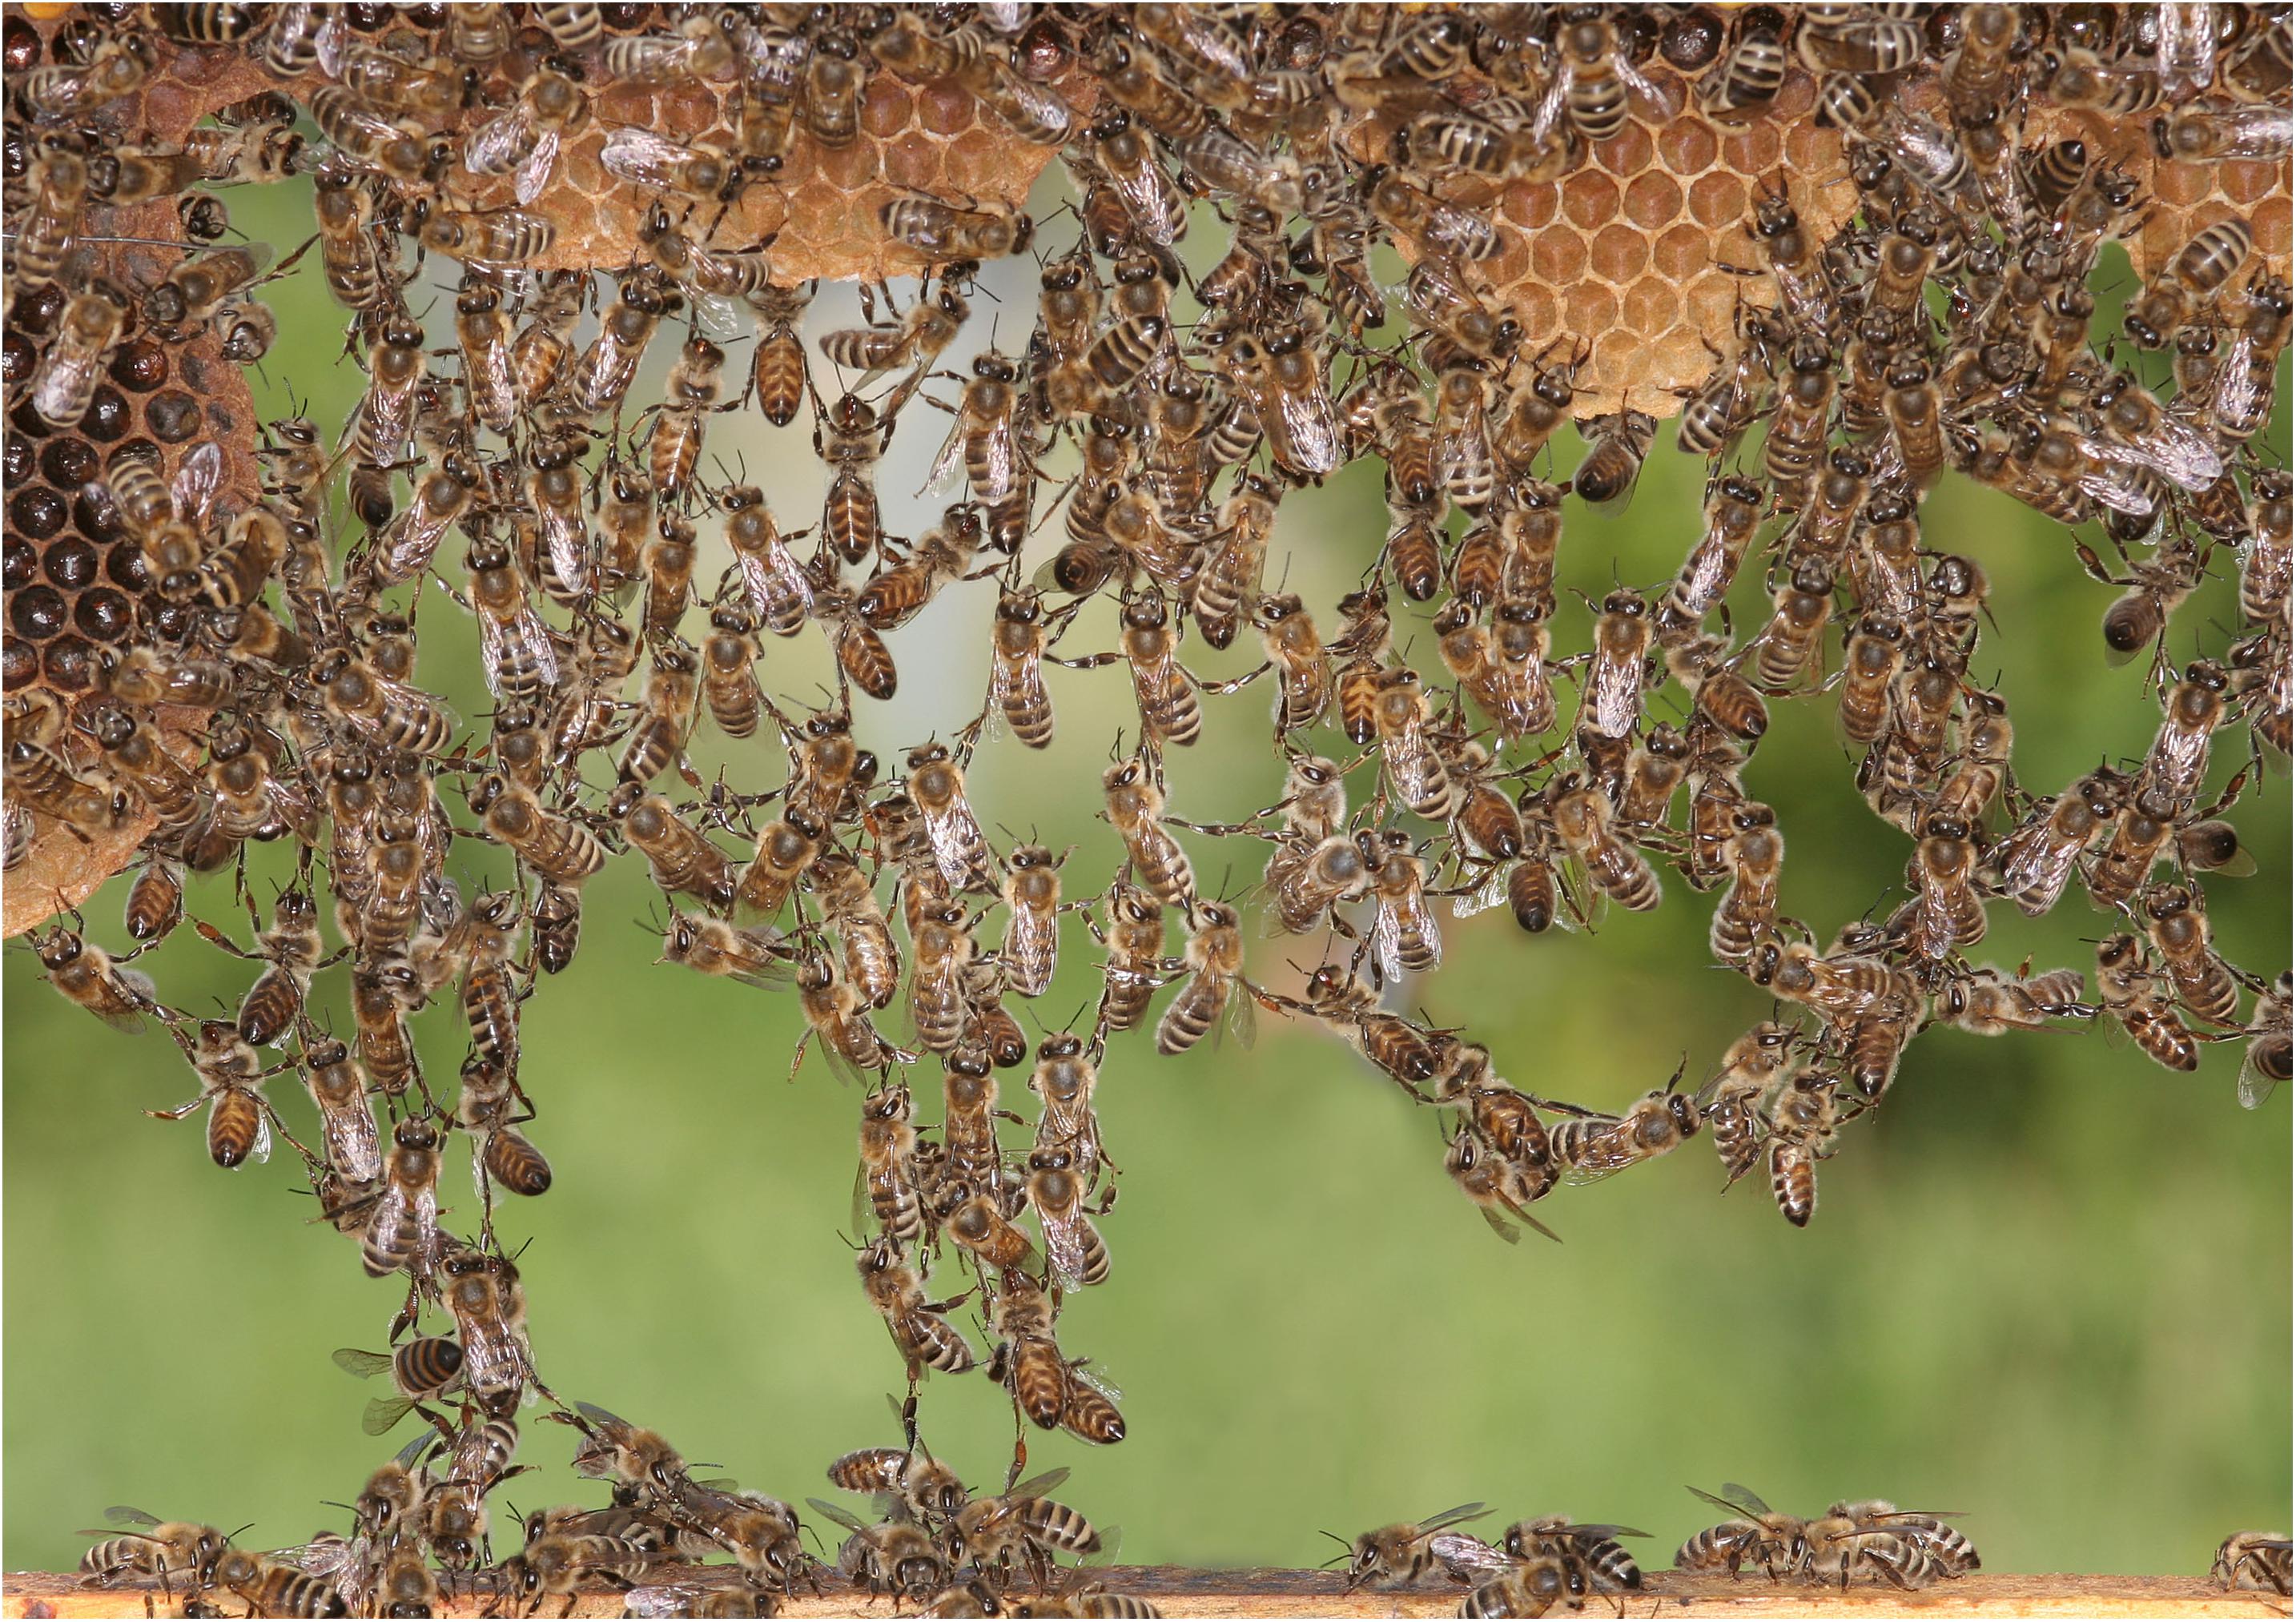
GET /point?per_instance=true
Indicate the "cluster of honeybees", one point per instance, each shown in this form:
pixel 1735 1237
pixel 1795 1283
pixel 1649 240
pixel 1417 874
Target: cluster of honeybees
pixel 936 1543
pixel 1552 1560
pixel 243 650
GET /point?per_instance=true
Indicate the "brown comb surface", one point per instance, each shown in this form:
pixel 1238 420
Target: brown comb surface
pixel 77 584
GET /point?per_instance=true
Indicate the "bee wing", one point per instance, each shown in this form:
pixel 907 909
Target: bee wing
pixel 126 1515
pixel 504 642
pixel 1739 1498
pixel 1148 196
pixel 1614 691
pixel 1039 103
pixel 956 839
pixel 2175 450
pixel 837 1513
pixel 334 41
pixel 862 1209
pixel 197 481
pixel 1086 1371
pixel 383 1413
pixel 2255 1085
pixel 493 148
pixel 1465 1552
pixel 1930 152
pixel 353 1147
pixel 1037 1486
pixel 426 1225
pixel 261 1152
pixel 1064 1245
pixel 2113 477
pixel 1661 102
pixel 1242 1015
pixel 1422 918
pixel 1387 939
pixel 639 155
pixel 359 1364
pixel 535 171
pixel 1490 893
pixel 948 466
pixel 1605 1153
pixel 1500 1225
pixel 1314 427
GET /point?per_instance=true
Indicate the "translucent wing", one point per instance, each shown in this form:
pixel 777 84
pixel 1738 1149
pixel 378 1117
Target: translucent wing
pixel 359 1364
pixel 1064 1245
pixel 384 1412
pixel 535 171
pixel 2255 1085
pixel 1492 892
pixel 1315 428
pixel 640 155
pixel 948 466
pixel 521 640
pixel 1037 1486
pixel 1387 939
pixel 1661 102
pixel 2178 454
pixel 956 839
pixel 334 39
pixel 842 1516
pixel 1614 691
pixel 1243 1013
pixel 1743 1498
pixel 197 481
pixel 1465 1551
pixel 568 539
pixel 499 145
pixel 352 1145
pixel 1092 1374
pixel 128 1515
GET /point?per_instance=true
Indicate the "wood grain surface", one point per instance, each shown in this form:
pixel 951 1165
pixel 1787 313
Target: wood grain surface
pixel 1182 1591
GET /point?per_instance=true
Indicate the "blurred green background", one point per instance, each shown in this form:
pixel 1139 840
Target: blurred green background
pixel 2048 1285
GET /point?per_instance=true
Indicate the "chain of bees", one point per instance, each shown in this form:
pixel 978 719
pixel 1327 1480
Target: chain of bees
pixel 1946 326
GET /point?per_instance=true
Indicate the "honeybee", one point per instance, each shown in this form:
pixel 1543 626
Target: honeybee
pixel 944 233
pixel 2177 921
pixel 835 1011
pixel 2252 1560
pixel 850 438
pixel 1404 936
pixel 779 591
pixel 888 1156
pixel 50 225
pixel 1214 986
pixel 526 138
pixel 555 847
pixel 489 1304
pixel 1442 228
pixel 680 424
pixel 1135 807
pixel 1409 759
pixel 1283 380
pixel 667 709
pixel 1397 1556
pixel 442 495
pixel 778 370
pixel 64 382
pixel 929 327
pixel 920 1328
pixel 1133 937
pixel 603 372
pixel 230 1081
pixel 1947 911
pixel 710 945
pixel 169 1549
pixel 401 1229
pixel 786 848
pixel 2195 276
pixel 1756 1534
pixel 2265 1065
pixel 1022 1523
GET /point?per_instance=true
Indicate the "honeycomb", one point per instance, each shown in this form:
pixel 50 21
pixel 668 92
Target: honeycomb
pixel 1627 254
pixel 76 585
